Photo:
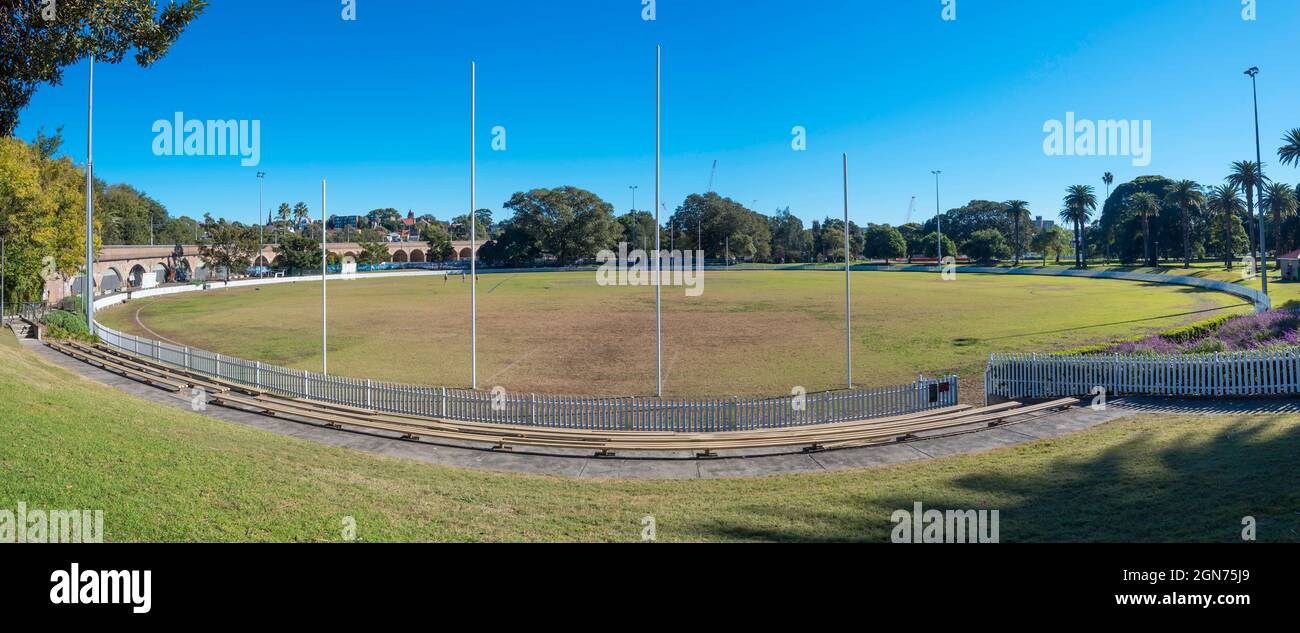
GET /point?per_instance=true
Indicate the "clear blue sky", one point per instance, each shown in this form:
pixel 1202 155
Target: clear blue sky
pixel 379 106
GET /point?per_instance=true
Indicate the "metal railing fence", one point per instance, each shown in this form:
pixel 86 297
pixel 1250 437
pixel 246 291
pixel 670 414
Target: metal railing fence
pixel 527 409
pixel 1268 372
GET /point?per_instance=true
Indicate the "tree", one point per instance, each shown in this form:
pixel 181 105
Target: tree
pixel 440 248
pixel 566 222
pixel 1054 241
pixel 1080 203
pixel 299 253
pixel 35 51
pixel 373 252
pixel 638 230
pixel 1280 200
pixel 884 242
pixel 912 232
pixel 483 218
pixel 1145 206
pixel 721 223
pixel 790 241
pixel 929 246
pixel 1185 194
pixel 1289 153
pixel 227 245
pixel 987 245
pixel 961 223
pixel 301 215
pixel 1225 201
pixel 42 208
pixel 512 247
pixel 1018 213
pixel 1247 175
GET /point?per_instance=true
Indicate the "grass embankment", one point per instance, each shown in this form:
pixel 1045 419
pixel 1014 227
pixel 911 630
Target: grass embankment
pixel 751 333
pixel 161 474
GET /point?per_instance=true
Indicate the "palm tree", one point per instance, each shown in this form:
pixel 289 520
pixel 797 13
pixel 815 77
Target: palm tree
pixel 1225 201
pixel 1185 194
pixel 1247 175
pixel 1145 205
pixel 1080 203
pixel 1018 212
pixel 1109 179
pixel 300 214
pixel 1280 199
pixel 1290 151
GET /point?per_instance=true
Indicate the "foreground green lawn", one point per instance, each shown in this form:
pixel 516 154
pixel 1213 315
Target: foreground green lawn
pixel 751 333
pixel 165 475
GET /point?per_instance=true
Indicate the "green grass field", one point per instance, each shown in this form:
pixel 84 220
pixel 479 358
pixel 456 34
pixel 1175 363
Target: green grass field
pixel 162 474
pixel 751 333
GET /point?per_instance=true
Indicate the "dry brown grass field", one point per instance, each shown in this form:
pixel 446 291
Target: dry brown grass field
pixel 750 333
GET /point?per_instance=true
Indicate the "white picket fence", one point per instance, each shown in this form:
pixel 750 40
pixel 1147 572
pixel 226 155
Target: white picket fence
pixel 1262 373
pixel 526 409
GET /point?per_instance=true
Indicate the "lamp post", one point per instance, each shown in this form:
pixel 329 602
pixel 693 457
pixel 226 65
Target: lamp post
pixel 938 217
pixel 1259 185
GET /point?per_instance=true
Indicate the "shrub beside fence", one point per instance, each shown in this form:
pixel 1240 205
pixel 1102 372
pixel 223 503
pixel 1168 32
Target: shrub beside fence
pixel 634 413
pixel 1261 373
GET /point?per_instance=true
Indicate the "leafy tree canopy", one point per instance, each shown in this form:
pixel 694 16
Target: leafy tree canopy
pixel 36 50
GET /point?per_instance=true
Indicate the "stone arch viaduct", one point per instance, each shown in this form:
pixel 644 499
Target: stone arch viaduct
pixel 138 266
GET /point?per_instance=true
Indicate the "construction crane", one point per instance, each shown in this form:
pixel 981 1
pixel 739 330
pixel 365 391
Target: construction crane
pixel 712 173
pixel 911 208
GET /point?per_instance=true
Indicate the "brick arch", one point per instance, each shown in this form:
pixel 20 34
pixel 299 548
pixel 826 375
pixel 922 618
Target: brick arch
pixel 111 280
pixel 400 257
pixel 136 275
pixel 463 254
pixel 418 256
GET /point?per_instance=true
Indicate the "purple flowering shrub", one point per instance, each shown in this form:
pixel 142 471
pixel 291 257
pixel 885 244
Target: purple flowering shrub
pixel 1252 332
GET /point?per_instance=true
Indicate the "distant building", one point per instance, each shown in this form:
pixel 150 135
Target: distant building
pixel 1044 225
pixel 1290 265
pixel 345 221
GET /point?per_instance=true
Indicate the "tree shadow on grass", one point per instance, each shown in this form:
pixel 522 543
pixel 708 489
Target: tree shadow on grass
pixel 1145 489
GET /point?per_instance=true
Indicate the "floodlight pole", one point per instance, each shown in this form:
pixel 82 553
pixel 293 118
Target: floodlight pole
pixel 324 305
pixel 473 229
pixel 658 263
pixel 89 277
pixel 1259 188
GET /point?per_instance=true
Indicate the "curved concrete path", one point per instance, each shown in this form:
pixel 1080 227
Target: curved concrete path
pixel 752 463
